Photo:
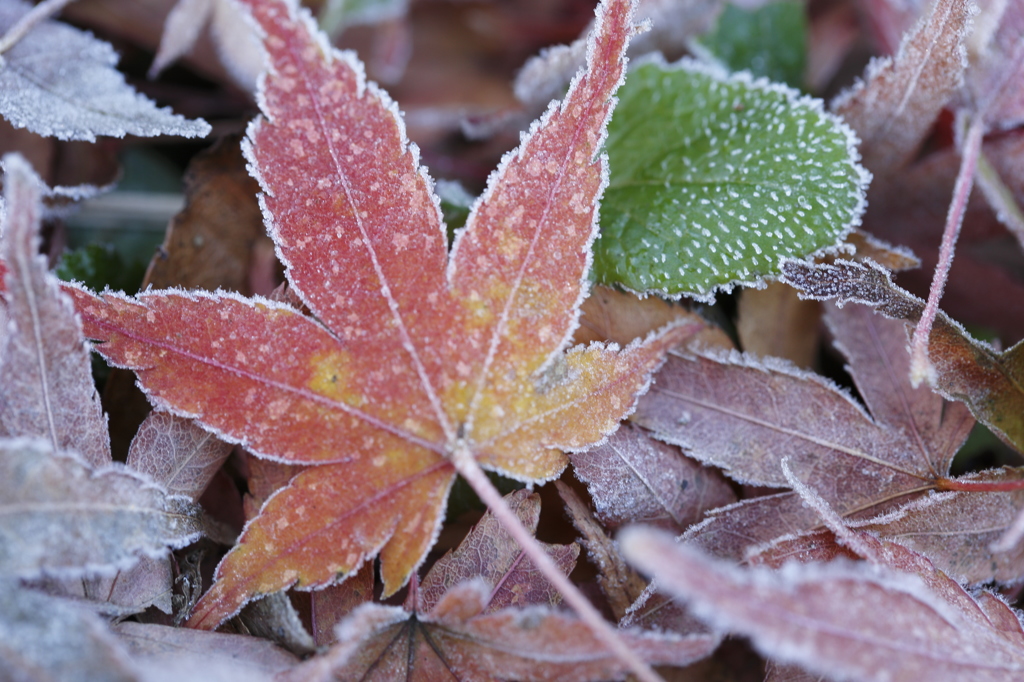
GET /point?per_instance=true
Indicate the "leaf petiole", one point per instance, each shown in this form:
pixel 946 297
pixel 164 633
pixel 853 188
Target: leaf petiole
pixel 470 469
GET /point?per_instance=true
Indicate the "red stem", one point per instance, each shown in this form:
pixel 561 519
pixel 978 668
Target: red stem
pixel 971 150
pixel 470 470
pixel 979 486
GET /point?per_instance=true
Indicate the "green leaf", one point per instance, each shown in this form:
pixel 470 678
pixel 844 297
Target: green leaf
pixel 715 179
pixel 99 266
pixel 456 203
pixel 769 41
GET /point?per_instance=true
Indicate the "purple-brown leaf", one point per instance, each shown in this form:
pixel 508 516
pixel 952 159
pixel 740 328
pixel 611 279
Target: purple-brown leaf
pixel 849 621
pixel 177 453
pixel 746 416
pixel 633 478
pixel 45 371
pixel 456 641
pixel 490 553
pixel 896 105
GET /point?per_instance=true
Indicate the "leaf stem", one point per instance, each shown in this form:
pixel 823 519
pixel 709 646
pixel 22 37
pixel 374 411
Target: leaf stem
pixel 470 470
pixel 979 486
pixel 35 16
pixel 970 151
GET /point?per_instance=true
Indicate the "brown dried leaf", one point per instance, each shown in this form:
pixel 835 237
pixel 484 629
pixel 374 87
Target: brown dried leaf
pixel 211 243
pixel 460 623
pixel 265 478
pixel 621 317
pixel 150 582
pixel 773 321
pixel 966 370
pixel 633 478
pixel 868 247
pixel 851 621
pixel 817 546
pixel 274 618
pixel 331 604
pixel 746 416
pixel 456 641
pixel 490 553
pixel 45 370
pixel 894 108
pixel 619 583
pixel 177 453
pixel 61 517
pixel 957 529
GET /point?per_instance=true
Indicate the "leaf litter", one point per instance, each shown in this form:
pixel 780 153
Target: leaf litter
pixel 472 367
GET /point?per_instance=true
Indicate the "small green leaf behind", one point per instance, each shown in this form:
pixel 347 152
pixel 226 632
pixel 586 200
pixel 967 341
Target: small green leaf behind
pixel 100 266
pixel 715 179
pixel 769 41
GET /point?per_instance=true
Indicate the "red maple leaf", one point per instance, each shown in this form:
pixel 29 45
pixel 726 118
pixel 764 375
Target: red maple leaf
pixel 415 365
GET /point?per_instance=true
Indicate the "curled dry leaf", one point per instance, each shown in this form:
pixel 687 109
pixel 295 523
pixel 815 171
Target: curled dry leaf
pixel 966 370
pixel 620 584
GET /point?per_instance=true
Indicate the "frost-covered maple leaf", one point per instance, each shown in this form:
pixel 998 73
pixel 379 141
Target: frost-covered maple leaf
pixel 416 365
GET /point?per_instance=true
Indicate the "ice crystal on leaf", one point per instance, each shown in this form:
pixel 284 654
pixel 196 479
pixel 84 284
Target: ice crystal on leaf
pixel 716 178
pixel 61 82
pixel 415 363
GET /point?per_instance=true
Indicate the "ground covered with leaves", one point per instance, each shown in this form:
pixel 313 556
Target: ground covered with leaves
pixel 436 340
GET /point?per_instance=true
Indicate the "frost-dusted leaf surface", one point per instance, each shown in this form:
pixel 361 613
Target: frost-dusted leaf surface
pixel 993 79
pixel 490 553
pixel 467 621
pixel 61 517
pixel 43 637
pixel 747 415
pixel 987 381
pixel 896 105
pixel 769 41
pixel 957 529
pixel 715 179
pixel 456 641
pixel 48 390
pixel 177 453
pixel 61 82
pixel 413 359
pixel 633 478
pixel 202 655
pixel 850 621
